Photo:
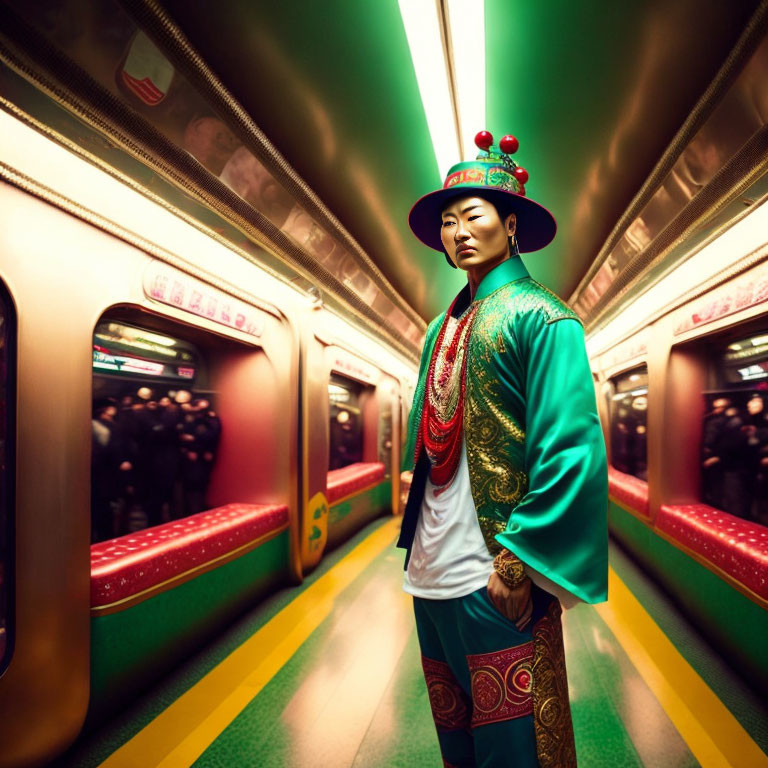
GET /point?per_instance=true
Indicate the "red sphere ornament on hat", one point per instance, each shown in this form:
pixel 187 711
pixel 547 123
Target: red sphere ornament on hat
pixel 483 140
pixel 509 145
pixel 521 175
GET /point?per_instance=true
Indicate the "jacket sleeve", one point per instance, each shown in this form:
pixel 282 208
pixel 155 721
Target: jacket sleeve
pixel 414 417
pixel 559 528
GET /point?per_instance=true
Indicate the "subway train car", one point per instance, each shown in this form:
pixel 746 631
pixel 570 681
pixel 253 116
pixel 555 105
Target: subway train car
pixel 212 312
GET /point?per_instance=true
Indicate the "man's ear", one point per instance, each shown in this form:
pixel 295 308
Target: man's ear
pixel 510 224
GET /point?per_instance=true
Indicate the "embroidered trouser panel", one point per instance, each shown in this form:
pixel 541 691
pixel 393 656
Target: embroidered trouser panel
pixel 498 696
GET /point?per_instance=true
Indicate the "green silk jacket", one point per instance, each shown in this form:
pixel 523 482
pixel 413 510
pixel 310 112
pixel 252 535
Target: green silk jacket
pixel 534 443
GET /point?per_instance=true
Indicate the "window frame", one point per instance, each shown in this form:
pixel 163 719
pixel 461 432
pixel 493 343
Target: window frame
pixel 8 490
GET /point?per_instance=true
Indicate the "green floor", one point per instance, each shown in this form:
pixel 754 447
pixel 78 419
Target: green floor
pixel 353 695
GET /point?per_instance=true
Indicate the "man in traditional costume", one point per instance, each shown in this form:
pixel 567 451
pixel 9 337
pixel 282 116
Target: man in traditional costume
pixel 506 515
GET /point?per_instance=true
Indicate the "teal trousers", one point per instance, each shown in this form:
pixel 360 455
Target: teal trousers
pixel 478 670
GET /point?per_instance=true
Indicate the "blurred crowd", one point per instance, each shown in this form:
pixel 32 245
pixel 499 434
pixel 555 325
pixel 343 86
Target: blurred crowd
pixel 151 460
pixel 346 436
pixel 735 456
pixel 628 436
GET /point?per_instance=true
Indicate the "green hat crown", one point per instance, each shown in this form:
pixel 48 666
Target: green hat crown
pixel 494 167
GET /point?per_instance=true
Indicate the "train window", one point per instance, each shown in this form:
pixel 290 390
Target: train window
pixel 734 449
pixel 7 431
pixel 629 405
pixel 155 430
pixel 346 433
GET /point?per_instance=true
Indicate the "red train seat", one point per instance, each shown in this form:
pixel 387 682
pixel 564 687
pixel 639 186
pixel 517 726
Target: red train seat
pixel 735 546
pixel 129 565
pixel 353 479
pixel 628 490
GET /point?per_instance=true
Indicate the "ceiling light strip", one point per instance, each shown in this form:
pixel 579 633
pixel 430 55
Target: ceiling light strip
pixel 423 31
pixel 447 41
pixel 466 22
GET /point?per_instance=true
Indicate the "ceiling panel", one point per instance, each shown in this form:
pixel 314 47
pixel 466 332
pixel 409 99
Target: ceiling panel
pixel 595 92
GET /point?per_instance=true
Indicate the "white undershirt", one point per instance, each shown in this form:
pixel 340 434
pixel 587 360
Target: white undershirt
pixel 449 557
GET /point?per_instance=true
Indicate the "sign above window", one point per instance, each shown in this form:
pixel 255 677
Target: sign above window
pixel 347 364
pixel 172 287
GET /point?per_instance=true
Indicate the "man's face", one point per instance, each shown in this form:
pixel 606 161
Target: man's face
pixel 472 233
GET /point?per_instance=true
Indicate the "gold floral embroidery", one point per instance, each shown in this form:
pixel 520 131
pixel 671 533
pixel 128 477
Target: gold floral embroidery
pixel 551 707
pixel 490 527
pixel 494 438
pixel 524 296
pixel 494 416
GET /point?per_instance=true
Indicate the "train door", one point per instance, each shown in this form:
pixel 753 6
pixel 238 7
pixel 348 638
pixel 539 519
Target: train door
pixel 193 441
pixel 347 445
pixel 358 485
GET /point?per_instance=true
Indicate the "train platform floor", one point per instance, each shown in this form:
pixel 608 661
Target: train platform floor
pixel 329 675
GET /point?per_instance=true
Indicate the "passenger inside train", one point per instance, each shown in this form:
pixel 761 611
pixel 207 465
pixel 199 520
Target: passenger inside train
pixel 734 447
pixel 232 381
pixel 346 429
pixel 628 423
pixel 153 446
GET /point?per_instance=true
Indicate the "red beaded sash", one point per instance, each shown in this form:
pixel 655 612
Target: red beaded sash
pixel 443 414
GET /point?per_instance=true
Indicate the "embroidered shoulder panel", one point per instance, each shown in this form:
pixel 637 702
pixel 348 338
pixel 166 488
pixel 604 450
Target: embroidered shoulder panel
pixel 494 427
pixel 526 296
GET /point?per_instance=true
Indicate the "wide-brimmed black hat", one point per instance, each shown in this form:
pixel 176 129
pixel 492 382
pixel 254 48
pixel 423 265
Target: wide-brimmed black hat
pixel 496 177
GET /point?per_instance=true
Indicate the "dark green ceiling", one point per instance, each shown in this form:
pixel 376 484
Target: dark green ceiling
pixel 594 90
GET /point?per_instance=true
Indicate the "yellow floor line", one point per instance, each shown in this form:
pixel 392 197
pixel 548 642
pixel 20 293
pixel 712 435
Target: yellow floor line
pixel 711 732
pixel 178 736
